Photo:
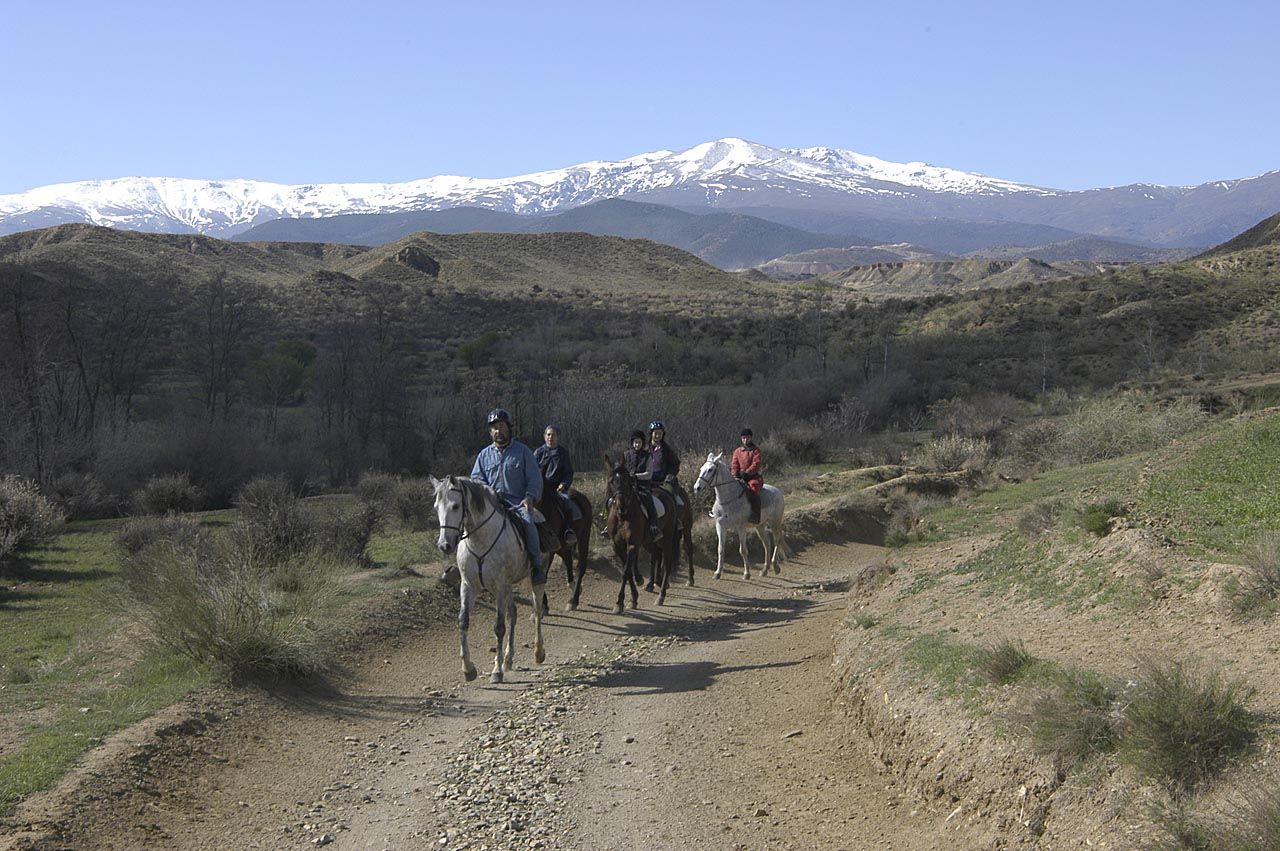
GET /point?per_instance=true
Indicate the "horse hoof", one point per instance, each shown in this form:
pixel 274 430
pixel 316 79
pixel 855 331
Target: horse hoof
pixel 635 604
pixel 571 607
pixel 617 610
pixel 495 677
pixel 689 583
pixel 469 672
pixel 649 587
pixel 540 655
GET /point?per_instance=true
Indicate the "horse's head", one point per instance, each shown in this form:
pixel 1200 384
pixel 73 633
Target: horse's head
pixel 707 474
pixel 451 508
pixel 620 489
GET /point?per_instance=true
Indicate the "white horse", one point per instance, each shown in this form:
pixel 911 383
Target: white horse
pixel 732 511
pixel 474 522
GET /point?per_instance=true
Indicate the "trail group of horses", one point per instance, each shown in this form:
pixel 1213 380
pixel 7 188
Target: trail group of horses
pixel 488 543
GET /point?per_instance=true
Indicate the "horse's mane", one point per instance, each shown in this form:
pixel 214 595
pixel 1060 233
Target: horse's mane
pixel 478 493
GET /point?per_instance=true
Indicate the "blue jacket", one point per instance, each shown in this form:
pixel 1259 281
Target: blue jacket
pixel 556 465
pixel 512 472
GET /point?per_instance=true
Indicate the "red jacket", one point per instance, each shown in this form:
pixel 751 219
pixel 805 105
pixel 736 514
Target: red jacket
pixel 746 459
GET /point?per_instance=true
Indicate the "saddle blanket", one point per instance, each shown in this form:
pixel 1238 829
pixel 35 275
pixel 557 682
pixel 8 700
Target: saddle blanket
pixel 658 509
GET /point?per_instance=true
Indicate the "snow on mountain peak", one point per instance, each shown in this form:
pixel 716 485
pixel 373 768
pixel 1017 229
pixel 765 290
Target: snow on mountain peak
pixel 225 207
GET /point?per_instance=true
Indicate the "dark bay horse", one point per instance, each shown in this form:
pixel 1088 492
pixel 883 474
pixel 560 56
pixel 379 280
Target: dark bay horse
pixel 628 528
pixel 684 540
pixel 557 517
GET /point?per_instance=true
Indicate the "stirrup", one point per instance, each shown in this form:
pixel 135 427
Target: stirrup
pixel 570 538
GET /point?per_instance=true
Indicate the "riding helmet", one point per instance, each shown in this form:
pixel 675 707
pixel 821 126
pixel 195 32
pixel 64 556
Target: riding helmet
pixel 498 415
pixel 746 432
pixel 657 424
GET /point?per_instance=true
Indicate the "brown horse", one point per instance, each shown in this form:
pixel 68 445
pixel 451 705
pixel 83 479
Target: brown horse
pixel 628 528
pixel 557 518
pixel 683 508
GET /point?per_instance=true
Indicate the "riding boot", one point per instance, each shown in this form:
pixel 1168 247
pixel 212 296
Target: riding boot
pixel 754 499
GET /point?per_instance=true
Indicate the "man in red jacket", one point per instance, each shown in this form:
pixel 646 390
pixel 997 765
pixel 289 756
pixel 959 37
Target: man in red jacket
pixel 746 466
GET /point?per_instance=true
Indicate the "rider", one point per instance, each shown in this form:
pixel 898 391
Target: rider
pixel 662 465
pixel 557 471
pixel 508 466
pixel 636 459
pixel 746 467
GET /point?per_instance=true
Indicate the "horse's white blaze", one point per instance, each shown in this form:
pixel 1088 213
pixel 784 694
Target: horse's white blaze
pixel 474 523
pixel 732 512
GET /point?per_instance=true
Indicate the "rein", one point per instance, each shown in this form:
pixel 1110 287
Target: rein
pixel 464 534
pixel 742 489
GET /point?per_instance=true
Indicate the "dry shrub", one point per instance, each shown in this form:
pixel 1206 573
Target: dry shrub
pixel 797 446
pixel 166 494
pixel 1075 720
pixel 1002 663
pixel 955 452
pixel 1109 428
pixel 85 497
pixel 1040 518
pixel 379 491
pixel 234 608
pixel 1259 586
pixel 174 530
pixel 415 504
pixel 271 522
pixel 1182 723
pixel 343 532
pixel 27 518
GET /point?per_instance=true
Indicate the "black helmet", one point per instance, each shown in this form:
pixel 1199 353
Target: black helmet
pixel 746 432
pixel 657 424
pixel 497 415
pixel 637 435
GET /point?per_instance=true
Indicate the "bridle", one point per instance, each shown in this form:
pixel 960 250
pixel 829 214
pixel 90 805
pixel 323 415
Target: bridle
pixel 463 534
pixel 715 467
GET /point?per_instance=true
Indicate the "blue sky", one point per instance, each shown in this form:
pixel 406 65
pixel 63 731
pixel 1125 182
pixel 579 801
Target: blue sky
pixel 1074 96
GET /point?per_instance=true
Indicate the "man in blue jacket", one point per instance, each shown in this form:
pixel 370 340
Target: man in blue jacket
pixel 508 466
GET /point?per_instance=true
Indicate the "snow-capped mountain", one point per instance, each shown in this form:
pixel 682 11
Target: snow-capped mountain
pixel 711 169
pixel 828 190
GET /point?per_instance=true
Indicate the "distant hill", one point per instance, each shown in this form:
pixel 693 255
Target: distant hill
pixel 912 278
pixel 1265 233
pixel 1090 248
pixel 598 267
pixel 820 261
pixel 727 240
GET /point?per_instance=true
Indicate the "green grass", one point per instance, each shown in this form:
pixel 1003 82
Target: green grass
pixel 986 512
pixel 1227 491
pixel 950 664
pixel 63 648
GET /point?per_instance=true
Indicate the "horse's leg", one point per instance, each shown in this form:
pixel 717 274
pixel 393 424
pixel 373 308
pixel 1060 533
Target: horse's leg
pixel 744 549
pixel 539 650
pixel 509 662
pixel 688 548
pixel 762 532
pixel 500 630
pixel 634 575
pixel 668 558
pixel 626 574
pixel 719 546
pixel 466 595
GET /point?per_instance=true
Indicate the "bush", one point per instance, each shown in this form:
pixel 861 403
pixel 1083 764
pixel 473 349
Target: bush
pixel 1109 428
pixel 166 494
pixel 85 497
pixel 27 518
pixel 173 530
pixel 1181 724
pixel 416 504
pixel 1075 720
pixel 1039 518
pixel 955 452
pixel 798 445
pixel 272 523
pixel 1260 583
pixel 1034 446
pixel 1003 663
pixel 1096 517
pixel 379 491
pixel 230 607
pixel 343 532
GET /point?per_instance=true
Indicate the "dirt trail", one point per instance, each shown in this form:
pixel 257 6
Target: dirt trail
pixel 707 721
